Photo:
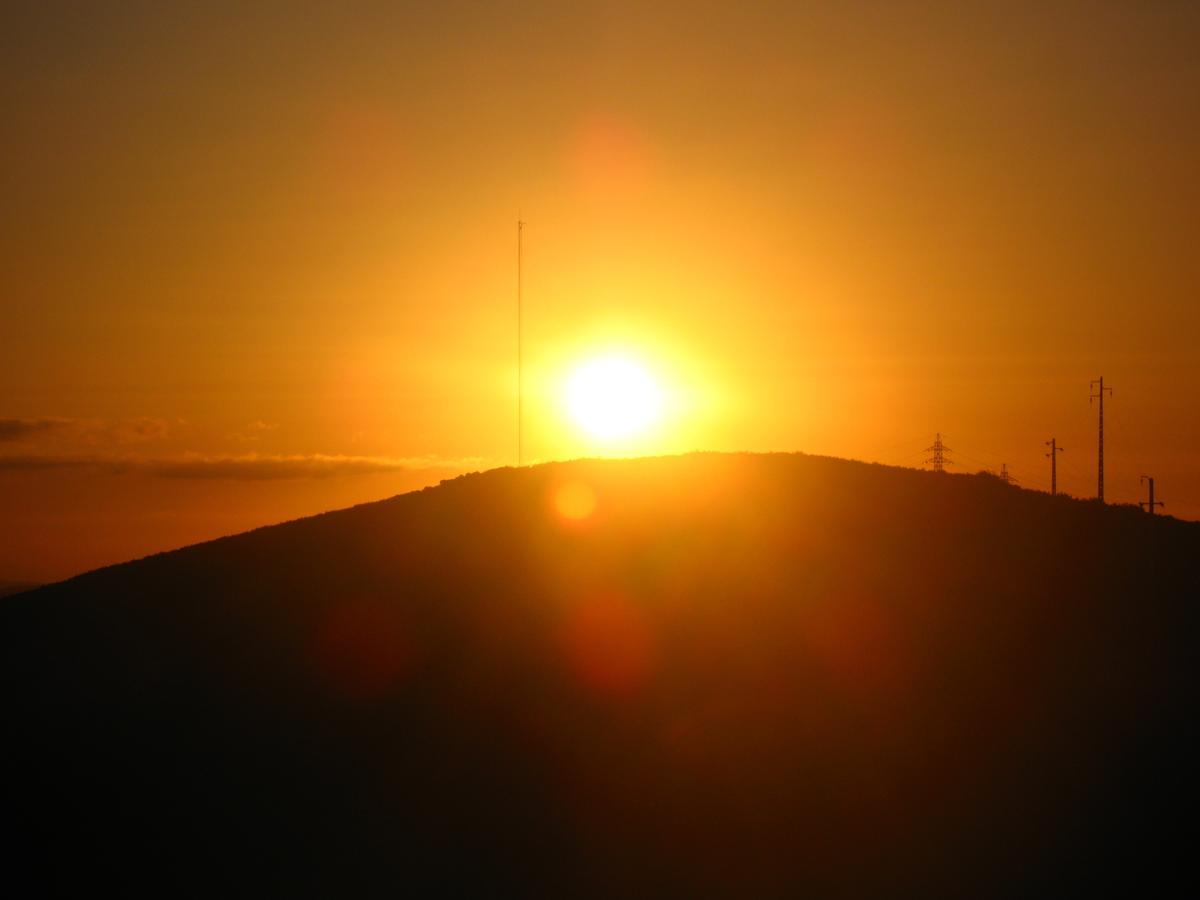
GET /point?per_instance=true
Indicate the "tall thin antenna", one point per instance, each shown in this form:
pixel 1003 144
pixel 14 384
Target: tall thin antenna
pixel 1100 394
pixel 1053 454
pixel 520 356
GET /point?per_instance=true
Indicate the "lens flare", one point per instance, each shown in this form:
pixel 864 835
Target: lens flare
pixel 575 500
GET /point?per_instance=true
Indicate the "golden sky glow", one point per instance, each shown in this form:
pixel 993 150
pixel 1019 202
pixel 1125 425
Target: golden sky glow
pixel 257 264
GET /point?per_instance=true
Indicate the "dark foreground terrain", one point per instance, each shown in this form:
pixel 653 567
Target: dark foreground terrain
pixel 15 587
pixel 745 676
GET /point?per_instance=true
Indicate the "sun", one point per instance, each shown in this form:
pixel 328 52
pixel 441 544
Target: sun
pixel 613 397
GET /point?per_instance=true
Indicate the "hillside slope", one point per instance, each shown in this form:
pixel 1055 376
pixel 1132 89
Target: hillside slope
pixel 725 675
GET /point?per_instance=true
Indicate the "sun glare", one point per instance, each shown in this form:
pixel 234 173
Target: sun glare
pixel 613 397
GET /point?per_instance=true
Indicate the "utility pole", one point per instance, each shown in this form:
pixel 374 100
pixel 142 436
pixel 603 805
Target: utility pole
pixel 520 359
pixel 1148 505
pixel 1100 395
pixel 939 451
pixel 1053 454
pixel 1004 476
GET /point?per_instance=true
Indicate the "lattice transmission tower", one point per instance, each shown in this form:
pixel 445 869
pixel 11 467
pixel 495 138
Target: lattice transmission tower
pixel 939 450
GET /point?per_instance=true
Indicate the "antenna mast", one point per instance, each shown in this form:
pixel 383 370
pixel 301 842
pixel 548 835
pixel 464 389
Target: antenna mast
pixel 520 359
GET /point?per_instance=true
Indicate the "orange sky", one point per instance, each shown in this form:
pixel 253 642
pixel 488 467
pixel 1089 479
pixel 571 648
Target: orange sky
pixel 260 264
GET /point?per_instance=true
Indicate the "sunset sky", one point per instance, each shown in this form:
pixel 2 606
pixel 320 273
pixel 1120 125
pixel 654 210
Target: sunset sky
pixel 259 261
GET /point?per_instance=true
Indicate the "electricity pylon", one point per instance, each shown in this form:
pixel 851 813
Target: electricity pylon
pixel 1053 454
pixel 1100 394
pixel 939 451
pixel 1148 505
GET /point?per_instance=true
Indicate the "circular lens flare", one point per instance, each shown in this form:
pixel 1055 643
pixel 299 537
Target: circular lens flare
pixel 575 501
pixel 613 397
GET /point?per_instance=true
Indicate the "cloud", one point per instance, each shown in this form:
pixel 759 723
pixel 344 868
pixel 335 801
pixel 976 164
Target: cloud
pixel 253 431
pixel 28 463
pixel 89 432
pixel 248 467
pixel 135 431
pixel 20 429
pixel 254 467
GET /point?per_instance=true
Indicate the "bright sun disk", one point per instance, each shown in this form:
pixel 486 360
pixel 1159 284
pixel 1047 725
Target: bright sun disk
pixel 613 397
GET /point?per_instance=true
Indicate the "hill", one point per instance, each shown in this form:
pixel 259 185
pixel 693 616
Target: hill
pixel 710 675
pixel 15 587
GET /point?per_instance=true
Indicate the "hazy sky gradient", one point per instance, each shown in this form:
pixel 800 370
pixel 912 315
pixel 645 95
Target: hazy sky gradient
pixel 260 262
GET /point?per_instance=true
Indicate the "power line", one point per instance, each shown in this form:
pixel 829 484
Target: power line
pixel 1074 470
pixel 891 451
pixel 908 458
pixel 1027 476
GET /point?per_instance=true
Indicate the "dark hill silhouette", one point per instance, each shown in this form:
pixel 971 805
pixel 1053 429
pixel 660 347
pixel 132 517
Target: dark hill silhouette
pixel 15 587
pixel 740 675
